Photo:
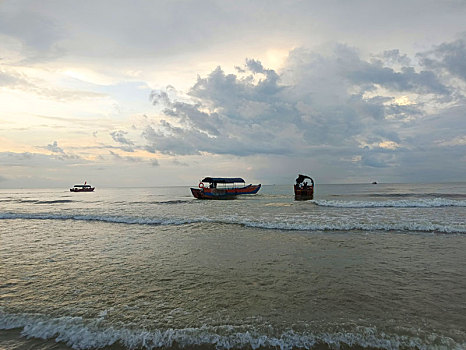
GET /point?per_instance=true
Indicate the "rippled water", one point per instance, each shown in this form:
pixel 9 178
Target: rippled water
pixel 361 266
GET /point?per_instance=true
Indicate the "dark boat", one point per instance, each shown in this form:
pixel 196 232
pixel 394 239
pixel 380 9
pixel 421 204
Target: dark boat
pixel 302 189
pixel 229 188
pixel 82 188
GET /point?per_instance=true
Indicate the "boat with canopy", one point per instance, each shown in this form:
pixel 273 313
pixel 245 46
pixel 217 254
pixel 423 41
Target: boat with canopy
pixel 302 189
pixel 223 188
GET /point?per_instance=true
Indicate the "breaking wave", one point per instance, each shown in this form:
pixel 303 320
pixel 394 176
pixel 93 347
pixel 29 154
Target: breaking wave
pixel 80 333
pixel 102 218
pixel 403 203
pixel 418 195
pixel 289 224
pixel 355 226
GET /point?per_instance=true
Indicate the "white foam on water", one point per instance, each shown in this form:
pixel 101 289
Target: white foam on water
pixel 79 333
pixel 356 226
pixel 102 218
pixel 270 223
pixel 402 203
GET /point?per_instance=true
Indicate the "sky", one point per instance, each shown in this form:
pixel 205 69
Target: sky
pixel 158 93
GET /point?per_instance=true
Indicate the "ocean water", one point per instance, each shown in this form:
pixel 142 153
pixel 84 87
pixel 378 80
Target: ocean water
pixel 360 267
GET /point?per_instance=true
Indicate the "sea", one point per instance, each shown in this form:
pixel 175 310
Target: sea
pixel 362 266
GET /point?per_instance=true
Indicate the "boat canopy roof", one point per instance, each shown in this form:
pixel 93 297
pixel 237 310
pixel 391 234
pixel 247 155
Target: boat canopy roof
pixel 223 180
pixel 301 178
pixel 82 185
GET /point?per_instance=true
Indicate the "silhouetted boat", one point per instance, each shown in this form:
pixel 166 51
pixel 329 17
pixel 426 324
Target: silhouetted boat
pixel 230 188
pixel 82 188
pixel 303 190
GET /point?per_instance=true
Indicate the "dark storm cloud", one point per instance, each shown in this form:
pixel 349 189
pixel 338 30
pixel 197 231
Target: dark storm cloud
pixel 376 72
pixel 241 106
pixel 191 114
pixel 449 56
pixel 316 101
pixel 405 81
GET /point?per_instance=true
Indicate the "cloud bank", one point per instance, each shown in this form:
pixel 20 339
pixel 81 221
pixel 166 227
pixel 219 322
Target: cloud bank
pixel 386 111
pixel 387 102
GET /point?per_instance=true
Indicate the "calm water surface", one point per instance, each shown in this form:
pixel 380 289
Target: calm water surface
pixel 362 266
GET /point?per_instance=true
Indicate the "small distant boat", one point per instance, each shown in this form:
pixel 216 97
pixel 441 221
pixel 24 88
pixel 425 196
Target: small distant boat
pixel 302 189
pixel 82 188
pixel 229 188
pixel 374 182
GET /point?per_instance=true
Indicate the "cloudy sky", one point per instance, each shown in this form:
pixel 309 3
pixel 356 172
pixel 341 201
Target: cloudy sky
pixel 154 93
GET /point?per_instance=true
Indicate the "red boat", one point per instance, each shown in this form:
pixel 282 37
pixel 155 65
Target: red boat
pixel 82 188
pixel 229 188
pixel 302 189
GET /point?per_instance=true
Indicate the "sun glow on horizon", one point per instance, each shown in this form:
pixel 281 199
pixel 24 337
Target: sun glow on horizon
pixel 276 58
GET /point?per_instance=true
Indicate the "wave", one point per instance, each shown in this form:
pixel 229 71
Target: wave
pixel 356 226
pixel 176 201
pixel 418 195
pixel 80 333
pixel 36 201
pixel 173 201
pixel 413 203
pixel 102 218
pixel 57 201
pixel 286 225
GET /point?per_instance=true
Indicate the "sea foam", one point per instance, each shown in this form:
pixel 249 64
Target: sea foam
pixel 270 223
pixel 402 203
pixel 80 333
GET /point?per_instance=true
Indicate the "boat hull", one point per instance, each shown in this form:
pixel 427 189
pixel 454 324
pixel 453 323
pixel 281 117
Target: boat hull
pixel 229 193
pixel 82 189
pixel 303 194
